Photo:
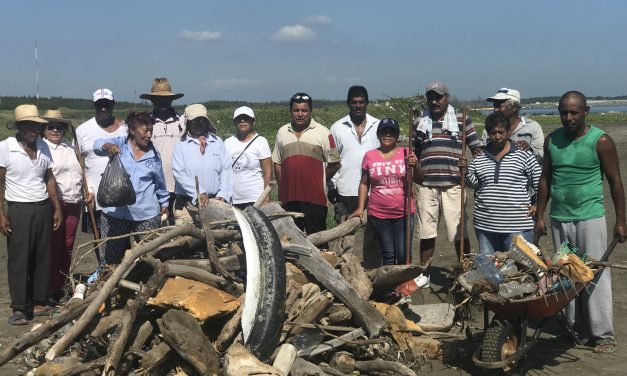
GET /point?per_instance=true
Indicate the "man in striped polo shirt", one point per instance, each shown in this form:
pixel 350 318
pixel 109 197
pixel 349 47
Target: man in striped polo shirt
pixel 304 158
pixel 438 142
pixel 576 157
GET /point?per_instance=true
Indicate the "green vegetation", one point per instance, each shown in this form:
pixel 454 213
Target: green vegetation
pixel 270 115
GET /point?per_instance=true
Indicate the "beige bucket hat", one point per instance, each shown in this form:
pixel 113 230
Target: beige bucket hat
pixel 197 110
pixel 54 116
pixel 26 112
pixel 161 88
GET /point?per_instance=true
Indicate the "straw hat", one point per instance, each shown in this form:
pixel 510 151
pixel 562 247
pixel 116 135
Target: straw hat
pixel 26 112
pixel 161 88
pixel 54 116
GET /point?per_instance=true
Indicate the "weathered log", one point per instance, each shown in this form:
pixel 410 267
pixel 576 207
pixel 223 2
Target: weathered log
pixel 343 361
pixel 339 313
pixel 384 366
pixel 183 333
pixel 344 228
pixel 312 312
pixel 200 275
pixel 111 283
pixel 330 370
pixel 356 276
pixel 152 359
pixel 89 366
pixel 230 329
pixel 363 312
pixel 211 251
pixel 307 293
pixel 118 341
pixel 332 344
pixel 143 333
pixel 285 358
pixel 231 263
pixel 106 323
pixel 238 361
pixel 388 277
pixel 301 367
pixel 47 329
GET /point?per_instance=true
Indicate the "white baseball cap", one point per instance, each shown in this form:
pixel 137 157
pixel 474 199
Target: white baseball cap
pixel 244 110
pixel 505 94
pixel 103 94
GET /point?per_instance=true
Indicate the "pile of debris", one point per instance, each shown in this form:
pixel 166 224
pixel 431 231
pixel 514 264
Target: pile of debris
pixel 177 304
pixel 524 272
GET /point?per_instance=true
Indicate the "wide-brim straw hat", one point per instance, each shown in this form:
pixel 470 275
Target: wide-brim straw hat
pixel 161 88
pixel 26 112
pixel 54 116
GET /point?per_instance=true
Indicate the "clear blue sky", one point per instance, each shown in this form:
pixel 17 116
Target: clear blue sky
pixel 267 50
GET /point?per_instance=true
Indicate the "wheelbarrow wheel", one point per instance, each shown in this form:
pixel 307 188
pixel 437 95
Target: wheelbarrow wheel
pixel 500 342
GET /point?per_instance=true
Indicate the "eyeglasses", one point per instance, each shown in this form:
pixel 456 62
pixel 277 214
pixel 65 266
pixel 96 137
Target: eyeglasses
pixel 57 127
pixel 301 97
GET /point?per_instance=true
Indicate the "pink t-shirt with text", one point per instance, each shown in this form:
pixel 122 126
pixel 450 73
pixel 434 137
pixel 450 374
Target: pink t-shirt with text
pixel 387 184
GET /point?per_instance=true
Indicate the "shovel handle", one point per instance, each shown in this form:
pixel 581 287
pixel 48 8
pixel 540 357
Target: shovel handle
pixel 609 249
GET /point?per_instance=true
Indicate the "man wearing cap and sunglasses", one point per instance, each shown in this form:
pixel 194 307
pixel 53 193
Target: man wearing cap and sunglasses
pixel 103 125
pixel 28 187
pixel 525 133
pixel 302 149
pixel 168 129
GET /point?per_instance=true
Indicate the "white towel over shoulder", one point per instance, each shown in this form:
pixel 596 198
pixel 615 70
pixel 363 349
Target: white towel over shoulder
pixel 425 124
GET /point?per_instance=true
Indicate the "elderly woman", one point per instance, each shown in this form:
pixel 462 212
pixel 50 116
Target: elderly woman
pixel 199 154
pixel 502 178
pixel 250 159
pixel 383 174
pixel 143 163
pixel 67 172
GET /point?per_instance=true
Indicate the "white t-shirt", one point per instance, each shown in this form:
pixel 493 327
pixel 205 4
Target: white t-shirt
pixel 24 180
pixel 247 174
pixel 86 134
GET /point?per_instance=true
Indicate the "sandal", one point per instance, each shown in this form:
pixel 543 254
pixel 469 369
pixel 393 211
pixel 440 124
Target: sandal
pixel 605 346
pixel 18 318
pixel 44 312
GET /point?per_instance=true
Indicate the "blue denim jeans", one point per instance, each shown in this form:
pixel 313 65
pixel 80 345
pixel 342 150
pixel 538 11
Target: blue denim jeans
pixel 490 242
pixel 391 235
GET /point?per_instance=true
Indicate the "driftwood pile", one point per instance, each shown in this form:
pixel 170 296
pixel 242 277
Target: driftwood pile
pixel 176 305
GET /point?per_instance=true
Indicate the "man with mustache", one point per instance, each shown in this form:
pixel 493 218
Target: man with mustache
pixel 438 143
pixel 304 155
pixel 576 157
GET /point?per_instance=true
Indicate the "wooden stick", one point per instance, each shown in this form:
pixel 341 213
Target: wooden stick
pixel 111 283
pixel 462 173
pixel 409 174
pixel 90 208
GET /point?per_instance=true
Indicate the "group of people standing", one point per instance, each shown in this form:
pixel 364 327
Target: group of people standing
pixel 357 165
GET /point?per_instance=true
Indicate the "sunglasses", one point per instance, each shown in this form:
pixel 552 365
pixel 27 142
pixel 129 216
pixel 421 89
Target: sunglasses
pixel 57 127
pixel 301 97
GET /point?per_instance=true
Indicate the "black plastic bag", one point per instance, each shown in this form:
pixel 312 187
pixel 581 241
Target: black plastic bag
pixel 116 188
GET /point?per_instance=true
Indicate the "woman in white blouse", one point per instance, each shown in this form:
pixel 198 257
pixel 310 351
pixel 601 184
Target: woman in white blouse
pixel 67 171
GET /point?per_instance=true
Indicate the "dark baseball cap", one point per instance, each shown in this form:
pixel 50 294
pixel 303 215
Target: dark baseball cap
pixel 388 123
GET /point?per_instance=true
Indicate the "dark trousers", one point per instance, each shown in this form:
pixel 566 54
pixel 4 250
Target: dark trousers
pixel 315 219
pixel 391 235
pixel 28 249
pixel 62 245
pixel 244 205
pixel 344 206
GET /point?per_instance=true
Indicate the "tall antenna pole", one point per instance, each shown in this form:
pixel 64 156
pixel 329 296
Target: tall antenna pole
pixel 36 72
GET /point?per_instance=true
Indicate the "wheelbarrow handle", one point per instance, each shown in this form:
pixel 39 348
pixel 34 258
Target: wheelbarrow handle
pixel 609 249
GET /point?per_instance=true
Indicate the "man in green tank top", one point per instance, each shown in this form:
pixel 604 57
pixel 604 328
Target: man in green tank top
pixel 576 157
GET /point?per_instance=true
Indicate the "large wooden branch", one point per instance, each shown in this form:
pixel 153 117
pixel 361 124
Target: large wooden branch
pixel 128 261
pixel 345 228
pixel 364 313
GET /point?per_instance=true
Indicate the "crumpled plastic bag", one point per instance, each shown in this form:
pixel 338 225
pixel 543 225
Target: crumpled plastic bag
pixel 116 188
